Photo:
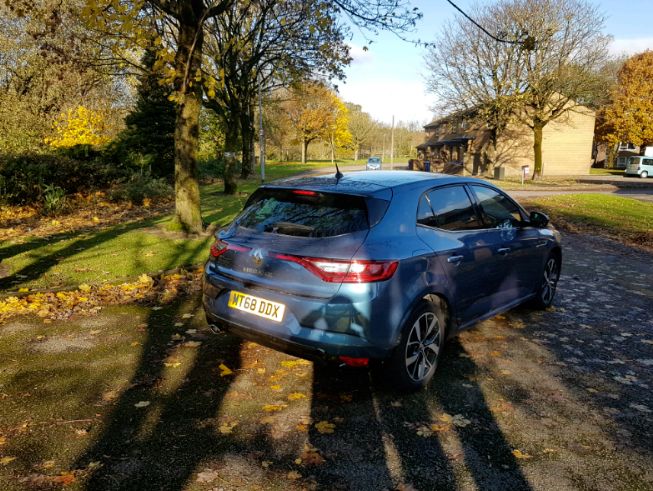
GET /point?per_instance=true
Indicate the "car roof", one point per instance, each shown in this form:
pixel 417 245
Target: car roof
pixel 368 183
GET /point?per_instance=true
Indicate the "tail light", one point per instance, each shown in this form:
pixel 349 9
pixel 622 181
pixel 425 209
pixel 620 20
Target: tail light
pixel 337 271
pixel 219 247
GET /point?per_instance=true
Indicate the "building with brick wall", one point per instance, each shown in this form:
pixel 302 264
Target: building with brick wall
pixel 459 141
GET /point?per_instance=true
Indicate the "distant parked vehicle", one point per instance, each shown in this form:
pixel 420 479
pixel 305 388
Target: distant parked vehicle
pixel 373 163
pixel 641 166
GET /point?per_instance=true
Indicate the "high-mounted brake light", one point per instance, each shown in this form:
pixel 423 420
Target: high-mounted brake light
pixel 219 247
pixel 338 271
pixel 304 192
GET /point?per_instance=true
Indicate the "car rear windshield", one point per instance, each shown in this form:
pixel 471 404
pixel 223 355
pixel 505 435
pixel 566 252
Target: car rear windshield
pixel 304 213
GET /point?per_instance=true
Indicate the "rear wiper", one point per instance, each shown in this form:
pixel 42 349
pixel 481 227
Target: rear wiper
pixel 287 228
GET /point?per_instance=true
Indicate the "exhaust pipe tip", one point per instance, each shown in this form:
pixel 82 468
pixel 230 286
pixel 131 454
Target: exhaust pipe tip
pixel 215 329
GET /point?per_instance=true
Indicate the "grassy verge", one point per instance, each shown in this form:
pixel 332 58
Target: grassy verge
pixel 122 251
pixel 553 183
pixel 624 219
pixel 606 172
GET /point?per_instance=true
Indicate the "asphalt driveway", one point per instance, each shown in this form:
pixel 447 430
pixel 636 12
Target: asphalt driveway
pixel 142 398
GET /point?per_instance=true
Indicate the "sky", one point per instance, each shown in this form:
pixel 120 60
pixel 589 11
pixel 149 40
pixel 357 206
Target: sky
pixel 388 78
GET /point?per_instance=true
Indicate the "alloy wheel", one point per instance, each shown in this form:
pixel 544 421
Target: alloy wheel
pixel 550 280
pixel 423 346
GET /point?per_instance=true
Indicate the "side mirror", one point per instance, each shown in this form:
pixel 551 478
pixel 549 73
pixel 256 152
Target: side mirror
pixel 538 219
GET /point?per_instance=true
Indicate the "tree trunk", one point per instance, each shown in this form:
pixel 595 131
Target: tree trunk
pixel 247 134
pixel 230 161
pixel 537 150
pixel 356 153
pixel 304 150
pixel 187 192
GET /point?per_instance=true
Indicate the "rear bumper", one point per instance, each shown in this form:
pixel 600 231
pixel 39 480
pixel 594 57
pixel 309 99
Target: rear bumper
pixel 289 336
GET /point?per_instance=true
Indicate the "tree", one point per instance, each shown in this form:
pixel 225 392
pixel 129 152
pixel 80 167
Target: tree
pixel 250 48
pixel 79 126
pixel 547 67
pixel 629 115
pixel 561 71
pixel 44 72
pixel 149 135
pixel 361 127
pixel 176 27
pixel 471 73
pixel 313 111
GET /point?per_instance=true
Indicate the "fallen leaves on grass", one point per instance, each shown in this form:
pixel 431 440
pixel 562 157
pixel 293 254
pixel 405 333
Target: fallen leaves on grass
pixel 295 396
pixel 3 440
pixel 520 455
pixel 294 363
pixel 325 427
pixel 270 408
pixel 142 404
pixel 6 460
pixel 293 475
pixel 310 456
pixel 89 299
pixel 66 478
pixel 227 427
pixel 225 370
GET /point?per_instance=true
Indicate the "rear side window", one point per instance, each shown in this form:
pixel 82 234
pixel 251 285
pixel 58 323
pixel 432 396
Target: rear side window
pixel 451 209
pixel 647 162
pixel 497 210
pixel 309 214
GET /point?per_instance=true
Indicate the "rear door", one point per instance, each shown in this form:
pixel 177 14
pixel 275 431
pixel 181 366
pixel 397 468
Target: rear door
pixel 450 225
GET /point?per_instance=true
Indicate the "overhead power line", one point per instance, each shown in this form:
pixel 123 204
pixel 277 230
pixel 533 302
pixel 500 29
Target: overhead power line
pixel 528 42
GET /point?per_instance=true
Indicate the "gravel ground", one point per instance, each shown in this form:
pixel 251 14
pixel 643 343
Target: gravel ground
pixel 550 400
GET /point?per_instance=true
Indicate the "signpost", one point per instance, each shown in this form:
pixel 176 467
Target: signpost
pixel 525 169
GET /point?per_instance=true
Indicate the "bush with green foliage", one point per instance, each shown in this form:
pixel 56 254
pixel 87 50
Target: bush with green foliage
pixel 25 177
pixel 140 187
pixel 147 142
pixel 54 200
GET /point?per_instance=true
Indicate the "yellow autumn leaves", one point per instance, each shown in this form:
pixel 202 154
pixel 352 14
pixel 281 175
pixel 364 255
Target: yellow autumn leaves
pixel 79 126
pixel 89 299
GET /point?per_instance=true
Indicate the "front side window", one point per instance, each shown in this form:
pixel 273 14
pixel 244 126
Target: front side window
pixel 448 208
pixel 496 209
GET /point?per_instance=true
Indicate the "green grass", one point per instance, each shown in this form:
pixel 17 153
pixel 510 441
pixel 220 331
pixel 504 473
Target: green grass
pixel 123 251
pixel 606 172
pixel 617 217
pixel 514 183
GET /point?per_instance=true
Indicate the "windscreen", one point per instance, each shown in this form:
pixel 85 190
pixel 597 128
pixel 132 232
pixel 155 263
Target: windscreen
pixel 304 213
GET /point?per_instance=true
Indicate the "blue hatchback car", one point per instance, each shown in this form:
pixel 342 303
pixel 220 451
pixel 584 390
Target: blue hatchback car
pixel 376 267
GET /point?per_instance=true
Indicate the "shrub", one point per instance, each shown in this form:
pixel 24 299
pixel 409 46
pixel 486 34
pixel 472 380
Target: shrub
pixel 140 187
pixel 25 178
pixel 54 200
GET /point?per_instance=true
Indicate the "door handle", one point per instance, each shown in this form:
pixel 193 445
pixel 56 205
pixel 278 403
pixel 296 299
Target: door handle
pixel 455 259
pixel 503 250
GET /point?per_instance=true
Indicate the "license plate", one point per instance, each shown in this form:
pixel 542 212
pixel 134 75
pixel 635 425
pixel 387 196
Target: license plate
pixel 257 306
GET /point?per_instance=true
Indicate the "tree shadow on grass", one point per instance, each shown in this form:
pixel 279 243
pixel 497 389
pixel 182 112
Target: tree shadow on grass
pixel 159 446
pixel 45 262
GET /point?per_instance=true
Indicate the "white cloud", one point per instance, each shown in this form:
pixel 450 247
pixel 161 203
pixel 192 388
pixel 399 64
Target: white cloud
pixel 405 100
pixel 631 46
pixel 359 55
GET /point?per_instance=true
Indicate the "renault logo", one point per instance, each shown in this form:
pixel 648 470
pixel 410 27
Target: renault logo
pixel 257 256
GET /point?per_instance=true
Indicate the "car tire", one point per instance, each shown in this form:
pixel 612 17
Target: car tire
pixel 549 282
pixel 416 357
pixel 644 175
